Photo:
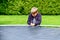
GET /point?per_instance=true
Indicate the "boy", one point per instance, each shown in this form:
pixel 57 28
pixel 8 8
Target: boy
pixel 34 18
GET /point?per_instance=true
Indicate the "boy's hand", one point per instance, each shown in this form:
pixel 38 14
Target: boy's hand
pixel 32 24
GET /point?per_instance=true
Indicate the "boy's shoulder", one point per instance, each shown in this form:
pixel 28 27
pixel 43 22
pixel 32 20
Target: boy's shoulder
pixel 39 14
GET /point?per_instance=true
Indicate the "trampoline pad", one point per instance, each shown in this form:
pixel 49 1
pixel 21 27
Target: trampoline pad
pixel 28 33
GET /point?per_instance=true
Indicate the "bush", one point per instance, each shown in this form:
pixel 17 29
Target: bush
pixel 23 7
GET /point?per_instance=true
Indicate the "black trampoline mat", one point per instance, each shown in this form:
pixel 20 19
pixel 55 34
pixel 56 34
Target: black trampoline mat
pixel 28 33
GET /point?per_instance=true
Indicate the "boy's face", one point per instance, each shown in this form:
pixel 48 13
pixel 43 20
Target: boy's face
pixel 34 13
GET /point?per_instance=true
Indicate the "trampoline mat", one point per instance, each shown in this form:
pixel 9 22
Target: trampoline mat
pixel 28 33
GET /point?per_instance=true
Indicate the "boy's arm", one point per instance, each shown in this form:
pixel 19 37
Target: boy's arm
pixel 38 22
pixel 29 20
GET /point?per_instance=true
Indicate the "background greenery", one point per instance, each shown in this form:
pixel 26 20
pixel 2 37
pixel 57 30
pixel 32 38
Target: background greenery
pixel 13 7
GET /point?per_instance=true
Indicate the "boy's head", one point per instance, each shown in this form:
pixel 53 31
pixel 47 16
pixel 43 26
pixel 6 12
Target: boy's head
pixel 34 11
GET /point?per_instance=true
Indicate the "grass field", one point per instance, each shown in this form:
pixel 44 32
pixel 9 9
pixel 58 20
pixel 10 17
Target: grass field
pixel 22 19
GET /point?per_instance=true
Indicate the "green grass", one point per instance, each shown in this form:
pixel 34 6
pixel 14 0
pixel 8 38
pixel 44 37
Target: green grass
pixel 51 20
pixel 22 19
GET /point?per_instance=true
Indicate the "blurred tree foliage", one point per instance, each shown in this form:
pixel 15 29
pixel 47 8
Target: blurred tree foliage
pixel 23 7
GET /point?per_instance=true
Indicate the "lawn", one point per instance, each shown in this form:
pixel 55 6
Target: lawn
pixel 22 19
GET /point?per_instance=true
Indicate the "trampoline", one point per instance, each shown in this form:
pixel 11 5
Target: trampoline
pixel 29 33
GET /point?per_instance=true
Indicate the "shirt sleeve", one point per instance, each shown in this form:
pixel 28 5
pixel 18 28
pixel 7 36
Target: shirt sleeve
pixel 38 21
pixel 29 20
